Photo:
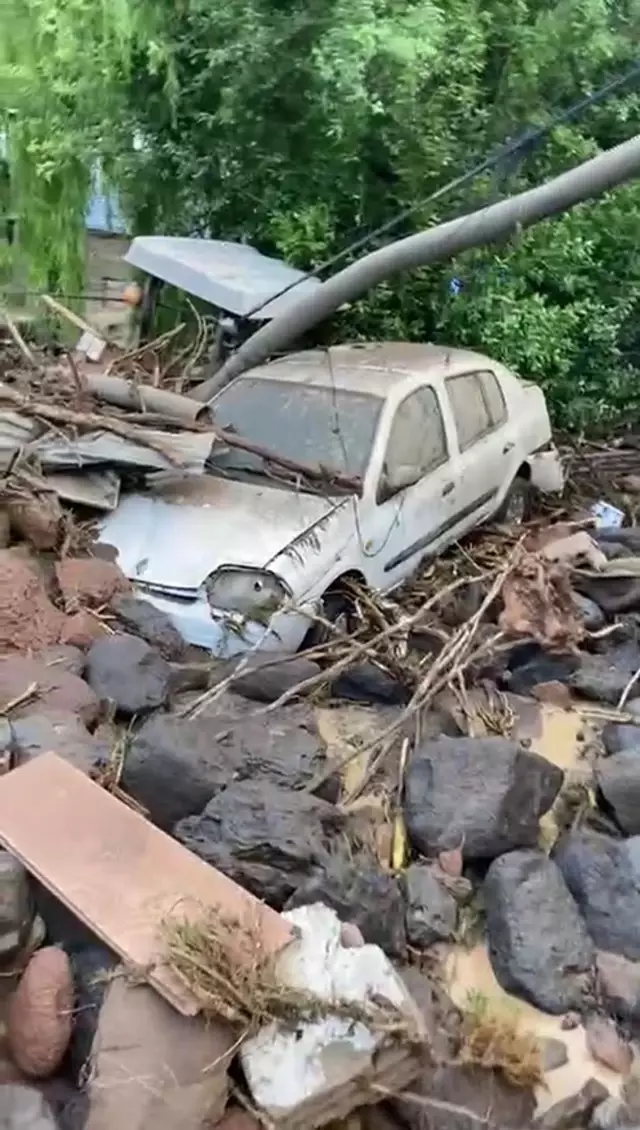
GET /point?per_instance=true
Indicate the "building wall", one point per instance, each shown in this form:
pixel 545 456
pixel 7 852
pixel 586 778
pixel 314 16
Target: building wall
pixel 106 277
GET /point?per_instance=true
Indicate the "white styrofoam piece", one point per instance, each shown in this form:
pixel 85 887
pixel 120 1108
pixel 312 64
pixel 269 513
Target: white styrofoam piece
pixel 287 1067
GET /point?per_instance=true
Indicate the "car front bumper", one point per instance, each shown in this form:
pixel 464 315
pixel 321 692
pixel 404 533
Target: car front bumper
pixel 226 635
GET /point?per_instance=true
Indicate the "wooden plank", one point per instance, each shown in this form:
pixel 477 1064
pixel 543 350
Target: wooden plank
pixel 115 871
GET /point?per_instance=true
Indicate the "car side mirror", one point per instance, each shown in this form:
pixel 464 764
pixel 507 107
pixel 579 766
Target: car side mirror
pixel 401 476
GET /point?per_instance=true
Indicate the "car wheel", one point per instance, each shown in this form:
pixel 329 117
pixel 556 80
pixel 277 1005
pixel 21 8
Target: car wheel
pixel 515 508
pixel 337 610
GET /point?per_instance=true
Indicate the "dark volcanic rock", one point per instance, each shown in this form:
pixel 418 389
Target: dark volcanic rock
pixel 538 944
pixel 604 677
pixel 613 594
pixel 574 1112
pixel 432 911
pixel 529 665
pixel 127 672
pixel 154 626
pixel 590 613
pixel 603 876
pixel 69 1106
pixel 362 894
pixel 174 766
pixel 460 1097
pixel 618 737
pixel 268 839
pixel 268 676
pixel 618 779
pixel 487 794
pixel 91 966
pixel 628 536
pixel 369 685
pixel 288 750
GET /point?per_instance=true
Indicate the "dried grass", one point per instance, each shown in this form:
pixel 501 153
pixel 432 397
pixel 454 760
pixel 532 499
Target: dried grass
pixel 224 964
pixel 492 1038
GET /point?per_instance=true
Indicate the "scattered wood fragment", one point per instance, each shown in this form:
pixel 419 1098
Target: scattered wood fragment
pixel 20 342
pixel 87 421
pixel 63 311
pixel 20 699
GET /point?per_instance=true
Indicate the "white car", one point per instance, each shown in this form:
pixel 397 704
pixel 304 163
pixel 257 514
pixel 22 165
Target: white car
pixel 438 440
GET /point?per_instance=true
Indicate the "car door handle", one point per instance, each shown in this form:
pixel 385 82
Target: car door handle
pixel 447 489
pixel 507 448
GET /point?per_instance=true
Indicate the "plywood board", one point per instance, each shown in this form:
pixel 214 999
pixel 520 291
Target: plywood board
pixel 115 871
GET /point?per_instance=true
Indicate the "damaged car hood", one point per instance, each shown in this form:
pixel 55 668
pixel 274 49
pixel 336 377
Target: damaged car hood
pixel 177 534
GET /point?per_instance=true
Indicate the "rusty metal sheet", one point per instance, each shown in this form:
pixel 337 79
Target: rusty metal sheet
pixel 115 871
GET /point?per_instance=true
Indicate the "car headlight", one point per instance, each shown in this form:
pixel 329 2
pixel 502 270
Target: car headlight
pixel 253 593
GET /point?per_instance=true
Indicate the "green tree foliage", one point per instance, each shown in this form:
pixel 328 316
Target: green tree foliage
pixel 300 125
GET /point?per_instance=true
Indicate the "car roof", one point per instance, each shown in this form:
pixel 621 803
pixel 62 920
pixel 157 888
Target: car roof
pixel 376 368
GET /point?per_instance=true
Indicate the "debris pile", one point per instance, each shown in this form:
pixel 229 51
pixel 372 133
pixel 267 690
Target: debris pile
pixel 394 879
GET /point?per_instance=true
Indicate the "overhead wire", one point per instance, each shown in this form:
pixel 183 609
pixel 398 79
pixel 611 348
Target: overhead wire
pixel 523 144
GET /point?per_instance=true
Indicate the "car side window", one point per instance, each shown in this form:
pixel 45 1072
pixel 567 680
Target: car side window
pixel 478 406
pixel 417 439
pixel 494 397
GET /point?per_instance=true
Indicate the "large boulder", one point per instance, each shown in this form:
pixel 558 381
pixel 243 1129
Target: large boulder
pixel 174 766
pixel 266 838
pixel 361 894
pixel 538 944
pixel 618 779
pixel 127 673
pixel 603 875
pixel 57 689
pixel 144 620
pixel 484 794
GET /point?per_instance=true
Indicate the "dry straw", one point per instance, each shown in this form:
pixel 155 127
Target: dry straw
pixel 224 964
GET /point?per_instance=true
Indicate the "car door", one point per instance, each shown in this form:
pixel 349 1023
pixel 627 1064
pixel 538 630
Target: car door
pixel 413 518
pixel 485 442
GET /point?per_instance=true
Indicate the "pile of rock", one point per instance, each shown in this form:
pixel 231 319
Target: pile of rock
pixel 561 925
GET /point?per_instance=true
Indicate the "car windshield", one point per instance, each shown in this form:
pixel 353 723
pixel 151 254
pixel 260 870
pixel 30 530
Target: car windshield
pixel 324 427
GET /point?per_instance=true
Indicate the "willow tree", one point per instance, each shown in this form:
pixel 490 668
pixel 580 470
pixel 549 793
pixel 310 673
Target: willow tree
pixel 64 70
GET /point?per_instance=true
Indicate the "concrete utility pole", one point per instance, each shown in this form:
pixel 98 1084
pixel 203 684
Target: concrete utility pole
pixel 496 222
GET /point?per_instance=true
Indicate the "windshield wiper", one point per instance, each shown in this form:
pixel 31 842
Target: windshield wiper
pixel 324 476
